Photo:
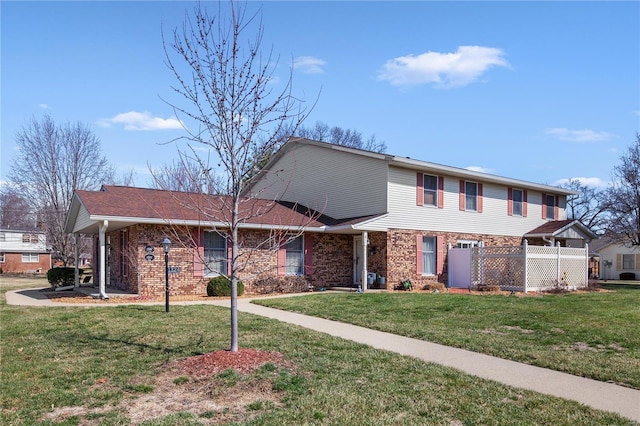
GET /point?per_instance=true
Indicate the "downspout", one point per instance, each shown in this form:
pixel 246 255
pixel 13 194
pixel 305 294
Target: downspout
pixel 550 242
pixel 103 258
pixel 365 242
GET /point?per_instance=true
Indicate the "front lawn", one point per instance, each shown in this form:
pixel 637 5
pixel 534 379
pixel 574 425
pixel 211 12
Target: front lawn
pixel 113 366
pixel 588 334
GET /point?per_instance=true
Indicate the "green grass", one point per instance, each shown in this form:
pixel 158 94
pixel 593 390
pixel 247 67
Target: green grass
pixel 100 357
pixel 589 334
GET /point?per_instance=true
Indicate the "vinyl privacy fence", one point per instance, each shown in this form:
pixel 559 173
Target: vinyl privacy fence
pixel 519 268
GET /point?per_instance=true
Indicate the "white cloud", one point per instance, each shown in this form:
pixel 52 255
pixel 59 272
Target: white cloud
pixel 134 120
pixel 309 64
pixel 479 169
pixel 44 106
pixel 460 68
pixel 584 135
pixel 586 181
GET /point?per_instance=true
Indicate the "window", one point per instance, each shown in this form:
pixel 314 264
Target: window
pixel 30 238
pixel 295 256
pixel 628 261
pixel 550 206
pixel 428 255
pixel 30 258
pixel 430 186
pixel 467 244
pixel 1 257
pixel 2 236
pixel 215 253
pixel 471 196
pixel 517 199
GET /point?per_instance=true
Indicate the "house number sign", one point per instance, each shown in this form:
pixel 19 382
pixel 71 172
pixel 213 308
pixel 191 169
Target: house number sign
pixel 149 256
pixel 174 269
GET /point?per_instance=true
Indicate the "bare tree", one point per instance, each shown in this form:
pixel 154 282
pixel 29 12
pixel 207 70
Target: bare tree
pixel 15 212
pixel 589 206
pixel 624 197
pixel 186 175
pixel 54 160
pixel 231 107
pixel 339 136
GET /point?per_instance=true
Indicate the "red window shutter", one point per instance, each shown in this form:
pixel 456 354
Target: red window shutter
pixel 308 254
pixel 544 205
pixel 556 210
pixel 440 192
pixel 440 254
pixel 462 196
pixel 282 259
pixel 510 201
pixel 524 203
pixel 420 189
pixel 479 198
pixel 419 254
pixel 198 253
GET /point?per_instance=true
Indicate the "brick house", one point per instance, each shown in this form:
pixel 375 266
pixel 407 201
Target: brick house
pixel 383 214
pixel 24 251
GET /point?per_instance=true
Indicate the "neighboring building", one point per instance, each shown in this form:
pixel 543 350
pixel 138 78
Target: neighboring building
pixel 619 261
pixel 24 251
pixel 392 216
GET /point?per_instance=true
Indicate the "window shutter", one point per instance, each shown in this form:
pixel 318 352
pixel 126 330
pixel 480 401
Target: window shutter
pixel 618 261
pixel 462 196
pixel 524 203
pixel 420 189
pixel 440 192
pixel 282 259
pixel 479 198
pixel 544 205
pixel 440 254
pixel 510 201
pixel 198 253
pixel 556 210
pixel 419 254
pixel 308 254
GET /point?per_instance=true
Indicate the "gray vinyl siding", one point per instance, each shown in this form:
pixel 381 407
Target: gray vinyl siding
pixel 494 219
pixel 83 219
pixel 339 184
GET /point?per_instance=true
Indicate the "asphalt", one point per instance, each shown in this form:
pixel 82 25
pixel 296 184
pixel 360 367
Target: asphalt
pixel 600 395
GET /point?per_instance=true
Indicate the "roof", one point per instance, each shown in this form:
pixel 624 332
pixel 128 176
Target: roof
pixel 556 228
pixel 123 206
pixel 419 165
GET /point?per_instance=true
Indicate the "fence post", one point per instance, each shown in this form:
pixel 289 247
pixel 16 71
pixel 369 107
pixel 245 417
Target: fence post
pixel 558 263
pixel 586 264
pixel 525 251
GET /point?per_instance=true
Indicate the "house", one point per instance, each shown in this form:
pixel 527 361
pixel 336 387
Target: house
pixel 341 216
pixel 24 251
pixel 618 261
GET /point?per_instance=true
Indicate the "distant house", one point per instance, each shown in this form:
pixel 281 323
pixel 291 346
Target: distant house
pixel 348 213
pixel 24 251
pixel 619 261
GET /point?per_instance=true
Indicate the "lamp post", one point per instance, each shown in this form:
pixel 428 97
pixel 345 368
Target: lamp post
pixel 166 245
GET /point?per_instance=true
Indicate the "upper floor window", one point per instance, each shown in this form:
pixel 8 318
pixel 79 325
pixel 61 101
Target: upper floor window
pixel 295 256
pixel 430 190
pixel 30 258
pixel 471 196
pixel 30 238
pixel 550 207
pixel 517 199
pixel 215 253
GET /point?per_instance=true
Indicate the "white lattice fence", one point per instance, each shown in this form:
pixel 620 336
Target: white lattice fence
pixel 529 268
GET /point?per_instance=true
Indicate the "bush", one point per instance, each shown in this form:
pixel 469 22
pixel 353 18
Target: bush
pixel 61 276
pixel 221 286
pixel 288 284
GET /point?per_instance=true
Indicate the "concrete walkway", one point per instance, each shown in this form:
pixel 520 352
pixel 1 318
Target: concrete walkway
pixel 599 395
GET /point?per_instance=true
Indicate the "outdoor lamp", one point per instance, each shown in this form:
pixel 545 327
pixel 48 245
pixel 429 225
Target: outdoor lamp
pixel 166 245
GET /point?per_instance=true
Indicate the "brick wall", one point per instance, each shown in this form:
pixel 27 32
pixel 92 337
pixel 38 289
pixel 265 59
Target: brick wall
pixel 13 263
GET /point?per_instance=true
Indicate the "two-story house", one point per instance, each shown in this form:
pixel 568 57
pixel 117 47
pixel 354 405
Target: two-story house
pixel 24 251
pixel 341 215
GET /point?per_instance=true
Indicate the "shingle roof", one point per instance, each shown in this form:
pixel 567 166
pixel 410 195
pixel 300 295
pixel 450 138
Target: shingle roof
pixel 130 202
pixel 555 227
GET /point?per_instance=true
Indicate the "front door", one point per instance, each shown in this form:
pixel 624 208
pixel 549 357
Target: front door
pixel 357 260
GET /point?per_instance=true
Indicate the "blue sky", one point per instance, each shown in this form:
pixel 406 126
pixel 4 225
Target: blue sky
pixel 540 91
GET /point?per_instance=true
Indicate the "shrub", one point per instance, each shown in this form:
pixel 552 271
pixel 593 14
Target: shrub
pixel 434 286
pixel 221 286
pixel 288 284
pixel 61 276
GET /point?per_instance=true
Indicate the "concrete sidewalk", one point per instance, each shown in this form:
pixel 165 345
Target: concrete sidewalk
pixel 599 395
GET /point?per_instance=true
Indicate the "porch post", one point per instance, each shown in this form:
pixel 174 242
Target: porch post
pixel 103 258
pixel 365 242
pixel 76 279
